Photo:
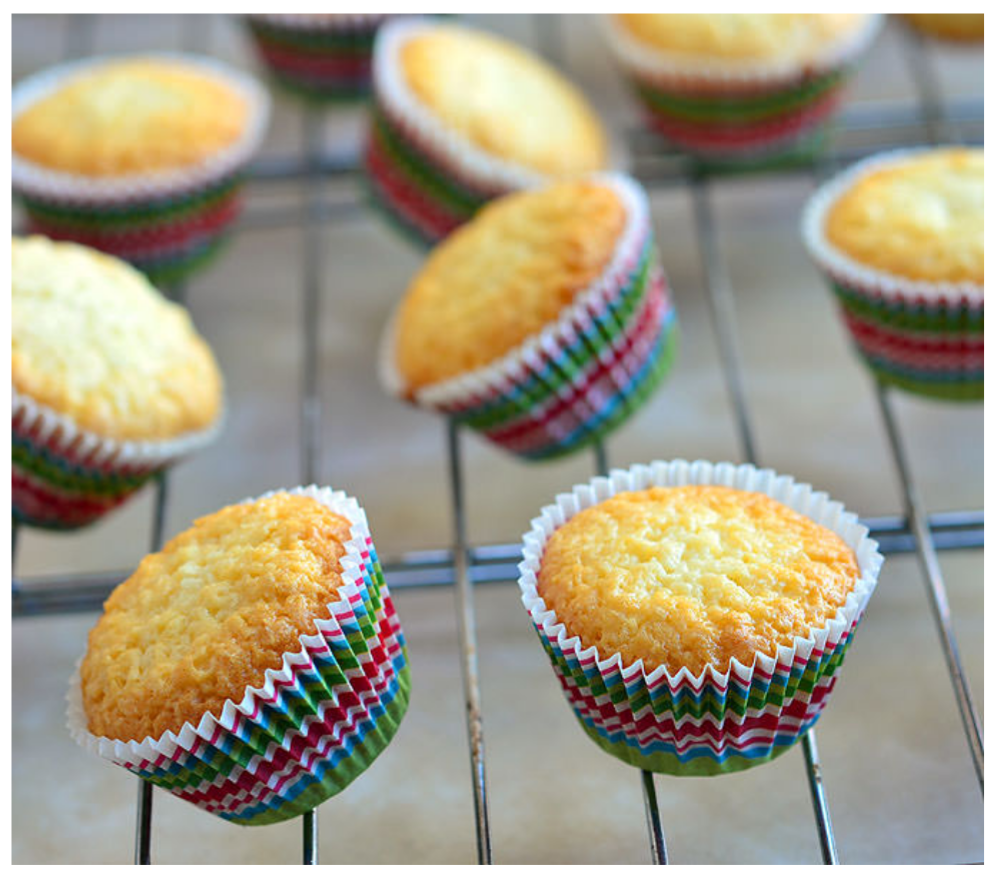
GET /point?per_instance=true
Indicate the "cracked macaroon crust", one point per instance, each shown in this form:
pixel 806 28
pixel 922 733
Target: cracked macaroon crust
pixel 132 116
pixel 504 276
pixel 93 340
pixel 690 576
pixel 202 620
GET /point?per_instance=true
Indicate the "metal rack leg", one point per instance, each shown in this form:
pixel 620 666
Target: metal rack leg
pixel 722 314
pixel 468 649
pixel 935 588
pixel 310 402
pixel 309 827
pixel 828 846
pixel 658 849
pixel 928 89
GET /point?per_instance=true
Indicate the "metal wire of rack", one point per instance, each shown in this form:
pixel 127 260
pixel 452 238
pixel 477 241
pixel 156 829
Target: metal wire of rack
pixel 463 567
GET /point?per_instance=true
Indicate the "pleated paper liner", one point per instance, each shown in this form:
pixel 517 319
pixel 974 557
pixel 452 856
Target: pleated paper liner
pixel 65 477
pixel 312 727
pixel 721 720
pixel 184 209
pixel 320 58
pixel 923 337
pixel 726 114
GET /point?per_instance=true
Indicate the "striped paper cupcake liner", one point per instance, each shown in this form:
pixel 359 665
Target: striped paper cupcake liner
pixel 734 113
pixel 63 476
pixel 164 223
pixel 311 728
pixel 727 718
pixel 923 337
pixel 582 375
pixel 320 58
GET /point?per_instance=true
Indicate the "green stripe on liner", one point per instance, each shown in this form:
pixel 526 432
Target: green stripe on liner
pixel 422 173
pixel 317 41
pixel 44 466
pixel 128 216
pixel 739 109
pixel 939 318
pixel 630 404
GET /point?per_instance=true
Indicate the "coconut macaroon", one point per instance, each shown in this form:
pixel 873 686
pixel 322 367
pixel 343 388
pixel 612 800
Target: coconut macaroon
pixel 921 218
pixel 137 115
pixel 93 341
pixel 255 666
pixel 462 116
pixel 900 238
pixel 203 619
pixel 543 323
pixel 691 576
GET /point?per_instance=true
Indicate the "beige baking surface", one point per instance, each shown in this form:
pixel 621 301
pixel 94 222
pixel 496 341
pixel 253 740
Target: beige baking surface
pixel 899 779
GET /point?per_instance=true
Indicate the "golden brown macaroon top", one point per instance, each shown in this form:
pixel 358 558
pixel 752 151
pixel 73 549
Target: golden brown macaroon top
pixel 93 340
pixel 504 100
pixel 956 26
pixel 692 576
pixel 203 620
pixel 742 37
pixel 502 277
pixel 131 116
pixel 920 218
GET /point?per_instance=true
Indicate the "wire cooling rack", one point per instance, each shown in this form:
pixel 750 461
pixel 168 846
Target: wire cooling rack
pixel 861 131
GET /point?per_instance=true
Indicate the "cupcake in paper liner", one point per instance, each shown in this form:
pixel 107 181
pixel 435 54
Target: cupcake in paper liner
pixel 461 116
pixel 696 615
pixel 141 157
pixel 740 89
pixel 543 323
pixel 899 237
pixel 319 57
pixel 110 383
pixel 274 666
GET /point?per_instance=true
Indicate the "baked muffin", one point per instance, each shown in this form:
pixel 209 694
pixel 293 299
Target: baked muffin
pixel 255 666
pixel 900 238
pixel 949 26
pixel 696 614
pixel 542 323
pixel 110 383
pixel 740 88
pixel 461 116
pixel 140 156
pixel 319 57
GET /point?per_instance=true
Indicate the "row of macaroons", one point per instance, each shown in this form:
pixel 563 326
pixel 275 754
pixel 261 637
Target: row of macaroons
pixel 311 727
pixel 561 389
pixel 327 57
pixel 425 174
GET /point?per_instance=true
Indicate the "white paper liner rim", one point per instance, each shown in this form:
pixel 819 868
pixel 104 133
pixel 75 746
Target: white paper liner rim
pixel 844 268
pixel 150 748
pixel 647 62
pixel 34 179
pixel 498 372
pixel 485 169
pixel 95 448
pixel 797 496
